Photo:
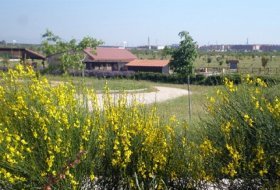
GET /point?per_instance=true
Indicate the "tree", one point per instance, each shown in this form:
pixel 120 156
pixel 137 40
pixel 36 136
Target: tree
pixel 72 55
pixel 167 51
pixel 264 61
pixel 3 42
pixel 184 56
pixel 209 59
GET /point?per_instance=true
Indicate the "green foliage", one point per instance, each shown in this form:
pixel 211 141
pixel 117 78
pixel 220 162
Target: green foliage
pixel 166 78
pixel 213 80
pixel 71 53
pixel 184 57
pixel 244 129
pixel 198 79
pixel 264 61
pixel 166 52
pixel 219 79
pixel 44 132
pixel 209 59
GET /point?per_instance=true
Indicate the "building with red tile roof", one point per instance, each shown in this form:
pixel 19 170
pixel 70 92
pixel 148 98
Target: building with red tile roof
pixel 116 59
pixel 144 65
pixel 103 58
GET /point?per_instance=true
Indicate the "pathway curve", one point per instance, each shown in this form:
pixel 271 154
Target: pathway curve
pixel 162 94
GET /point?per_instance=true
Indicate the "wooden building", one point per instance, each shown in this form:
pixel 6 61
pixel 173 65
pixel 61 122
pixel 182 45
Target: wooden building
pixel 107 59
pixel 144 65
pixel 22 54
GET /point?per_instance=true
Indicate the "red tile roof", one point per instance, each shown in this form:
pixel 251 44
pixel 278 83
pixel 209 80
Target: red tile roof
pixel 109 54
pixel 148 63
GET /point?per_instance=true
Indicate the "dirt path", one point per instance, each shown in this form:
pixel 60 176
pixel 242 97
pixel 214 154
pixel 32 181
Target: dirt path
pixel 162 94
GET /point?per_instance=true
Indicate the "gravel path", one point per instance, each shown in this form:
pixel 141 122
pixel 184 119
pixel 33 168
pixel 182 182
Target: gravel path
pixel 162 94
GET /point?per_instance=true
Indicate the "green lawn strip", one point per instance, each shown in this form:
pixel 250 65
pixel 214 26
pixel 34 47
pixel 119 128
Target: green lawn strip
pixel 99 84
pixel 179 107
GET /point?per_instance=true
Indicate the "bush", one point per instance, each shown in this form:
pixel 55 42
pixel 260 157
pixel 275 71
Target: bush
pixel 180 79
pixel 44 132
pixel 213 80
pixel 199 79
pixel 169 78
pixel 55 137
pixel 244 130
pixel 270 80
pixel 219 79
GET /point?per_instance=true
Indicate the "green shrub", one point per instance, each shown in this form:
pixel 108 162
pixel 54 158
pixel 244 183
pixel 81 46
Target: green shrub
pixel 244 129
pixel 213 80
pixel 271 80
pixel 169 78
pixel 43 132
pixel 55 137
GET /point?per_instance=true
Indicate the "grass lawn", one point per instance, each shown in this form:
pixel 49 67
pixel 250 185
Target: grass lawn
pixel 99 84
pixel 179 107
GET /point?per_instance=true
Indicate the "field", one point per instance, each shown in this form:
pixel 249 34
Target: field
pixel 179 107
pixel 249 62
pixel 245 60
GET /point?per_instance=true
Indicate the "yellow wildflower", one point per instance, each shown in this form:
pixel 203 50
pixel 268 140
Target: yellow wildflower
pixel 248 120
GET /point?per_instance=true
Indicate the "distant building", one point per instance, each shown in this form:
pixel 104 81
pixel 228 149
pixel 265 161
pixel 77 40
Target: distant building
pixel 269 48
pixel 150 47
pixel 22 54
pixel 240 48
pixel 160 47
pixel 256 47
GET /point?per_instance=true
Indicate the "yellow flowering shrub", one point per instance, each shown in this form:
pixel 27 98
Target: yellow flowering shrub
pixel 40 131
pixel 61 137
pixel 244 128
pixel 131 140
pixel 58 137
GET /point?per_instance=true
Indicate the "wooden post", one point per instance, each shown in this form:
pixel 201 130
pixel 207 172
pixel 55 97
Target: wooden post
pixel 189 98
pixel 23 57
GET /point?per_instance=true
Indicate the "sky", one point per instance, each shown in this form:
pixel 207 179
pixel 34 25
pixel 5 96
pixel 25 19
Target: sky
pixel 134 21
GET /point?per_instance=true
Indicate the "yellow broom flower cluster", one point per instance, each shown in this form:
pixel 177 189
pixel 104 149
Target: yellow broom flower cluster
pixel 58 137
pixel 244 130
